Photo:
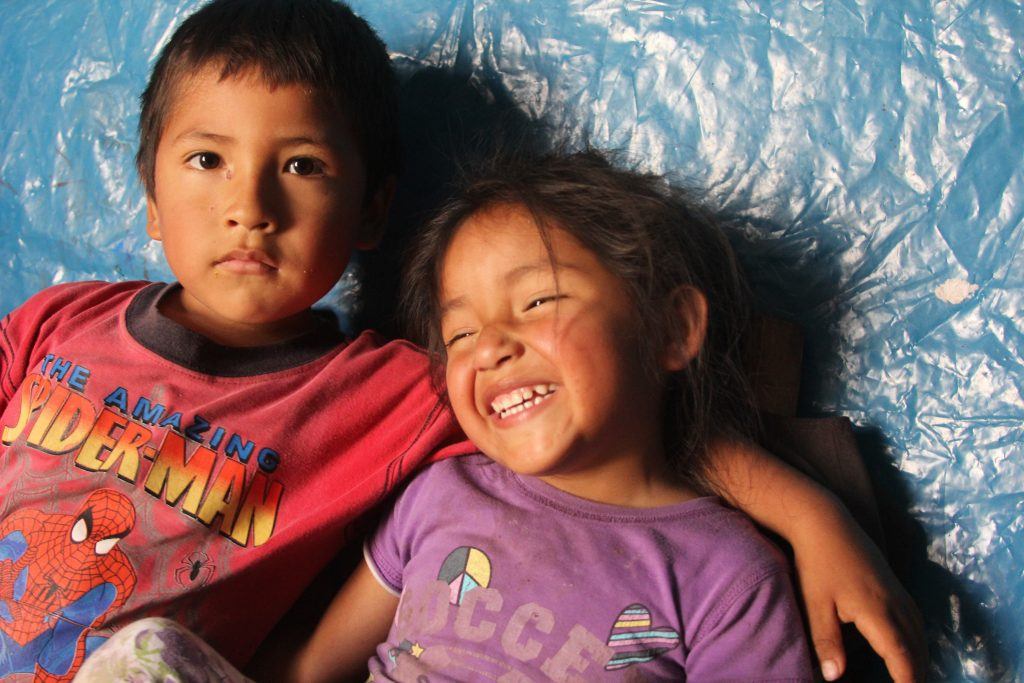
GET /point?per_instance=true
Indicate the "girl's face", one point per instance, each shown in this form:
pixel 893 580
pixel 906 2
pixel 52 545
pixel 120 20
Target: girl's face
pixel 543 363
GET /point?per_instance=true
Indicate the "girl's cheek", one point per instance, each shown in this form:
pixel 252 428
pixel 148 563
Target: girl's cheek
pixel 459 381
pixel 452 365
pixel 546 336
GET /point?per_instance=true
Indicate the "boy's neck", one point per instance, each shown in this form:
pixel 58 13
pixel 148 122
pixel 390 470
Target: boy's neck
pixel 230 333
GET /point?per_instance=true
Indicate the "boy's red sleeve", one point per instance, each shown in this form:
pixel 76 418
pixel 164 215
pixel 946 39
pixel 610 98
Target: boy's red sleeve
pixel 25 331
pixel 395 422
pixel 20 331
pixel 453 442
pixel 443 438
pixel 8 350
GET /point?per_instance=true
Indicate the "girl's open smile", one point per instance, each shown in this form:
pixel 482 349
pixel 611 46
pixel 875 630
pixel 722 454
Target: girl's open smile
pixel 521 399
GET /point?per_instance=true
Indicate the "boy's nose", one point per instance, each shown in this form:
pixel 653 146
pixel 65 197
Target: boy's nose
pixel 251 203
pixel 495 346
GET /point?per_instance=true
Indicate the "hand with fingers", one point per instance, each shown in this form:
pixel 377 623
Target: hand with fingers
pixel 844 579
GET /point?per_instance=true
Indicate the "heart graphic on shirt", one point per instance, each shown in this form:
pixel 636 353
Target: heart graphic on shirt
pixel 635 641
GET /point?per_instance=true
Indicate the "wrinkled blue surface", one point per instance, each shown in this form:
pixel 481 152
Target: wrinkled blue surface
pixel 874 147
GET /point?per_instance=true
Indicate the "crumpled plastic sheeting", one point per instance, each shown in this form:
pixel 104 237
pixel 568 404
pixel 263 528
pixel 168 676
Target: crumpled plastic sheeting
pixel 872 150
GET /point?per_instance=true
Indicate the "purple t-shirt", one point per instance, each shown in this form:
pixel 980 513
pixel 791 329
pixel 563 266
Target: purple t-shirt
pixel 506 578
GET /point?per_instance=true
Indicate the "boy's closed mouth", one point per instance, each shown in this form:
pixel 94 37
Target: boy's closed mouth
pixel 247 262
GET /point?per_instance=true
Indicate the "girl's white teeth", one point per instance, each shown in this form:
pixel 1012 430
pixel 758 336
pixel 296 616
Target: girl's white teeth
pixel 518 400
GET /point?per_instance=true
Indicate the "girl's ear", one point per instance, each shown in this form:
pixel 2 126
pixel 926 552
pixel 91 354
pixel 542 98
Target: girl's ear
pixel 375 213
pixel 689 309
pixel 152 218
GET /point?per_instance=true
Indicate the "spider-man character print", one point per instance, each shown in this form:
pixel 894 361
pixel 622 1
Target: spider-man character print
pixel 60 575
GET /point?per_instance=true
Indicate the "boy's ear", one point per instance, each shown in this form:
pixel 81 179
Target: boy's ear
pixel 152 218
pixel 375 214
pixel 689 308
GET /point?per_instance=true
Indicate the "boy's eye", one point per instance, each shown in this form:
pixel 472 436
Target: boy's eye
pixel 304 166
pixel 204 160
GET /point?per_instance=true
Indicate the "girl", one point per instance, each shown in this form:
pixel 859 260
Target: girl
pixel 588 322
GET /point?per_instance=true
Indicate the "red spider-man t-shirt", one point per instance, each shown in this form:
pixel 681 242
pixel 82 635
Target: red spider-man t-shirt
pixel 148 471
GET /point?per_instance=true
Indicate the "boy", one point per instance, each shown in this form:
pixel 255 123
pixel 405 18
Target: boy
pixel 200 450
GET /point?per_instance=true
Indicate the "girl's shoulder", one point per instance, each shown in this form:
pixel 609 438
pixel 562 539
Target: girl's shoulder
pixel 719 531
pixel 443 479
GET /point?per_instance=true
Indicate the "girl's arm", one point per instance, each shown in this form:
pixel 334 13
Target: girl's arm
pixel 357 620
pixel 842 574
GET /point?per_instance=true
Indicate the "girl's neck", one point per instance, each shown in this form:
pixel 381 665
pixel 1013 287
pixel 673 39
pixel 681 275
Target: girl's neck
pixel 631 484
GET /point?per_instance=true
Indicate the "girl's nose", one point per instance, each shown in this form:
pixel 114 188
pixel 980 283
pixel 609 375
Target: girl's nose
pixel 495 346
pixel 252 201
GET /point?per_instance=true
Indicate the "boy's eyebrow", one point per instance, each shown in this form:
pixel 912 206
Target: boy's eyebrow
pixel 224 139
pixel 307 140
pixel 203 135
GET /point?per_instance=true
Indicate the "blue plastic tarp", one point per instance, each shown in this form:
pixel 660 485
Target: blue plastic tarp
pixel 873 149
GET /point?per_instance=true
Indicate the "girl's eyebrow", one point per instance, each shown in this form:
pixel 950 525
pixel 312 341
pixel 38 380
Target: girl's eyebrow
pixel 511 278
pixel 547 265
pixel 450 305
pixel 516 274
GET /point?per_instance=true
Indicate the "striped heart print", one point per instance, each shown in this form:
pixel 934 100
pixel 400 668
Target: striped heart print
pixel 635 641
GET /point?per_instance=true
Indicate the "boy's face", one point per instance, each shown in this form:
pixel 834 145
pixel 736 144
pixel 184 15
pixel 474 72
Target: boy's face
pixel 258 202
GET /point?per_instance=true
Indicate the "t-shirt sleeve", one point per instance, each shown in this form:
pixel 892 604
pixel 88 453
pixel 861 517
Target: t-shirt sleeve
pixel 27 329
pixel 20 332
pixel 383 555
pixel 403 369
pixel 389 547
pixel 444 438
pixel 15 341
pixel 757 635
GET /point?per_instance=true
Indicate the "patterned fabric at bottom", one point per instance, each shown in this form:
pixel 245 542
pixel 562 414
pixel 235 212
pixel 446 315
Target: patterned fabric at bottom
pixel 157 651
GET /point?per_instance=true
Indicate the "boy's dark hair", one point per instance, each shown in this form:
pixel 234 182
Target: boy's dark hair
pixel 655 238
pixel 320 44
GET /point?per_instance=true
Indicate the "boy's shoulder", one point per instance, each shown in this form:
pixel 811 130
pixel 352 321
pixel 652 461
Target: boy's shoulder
pixel 372 354
pixel 373 340
pixel 71 298
pixel 67 306
pixel 87 310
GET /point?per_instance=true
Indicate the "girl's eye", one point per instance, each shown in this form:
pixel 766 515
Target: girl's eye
pixel 205 161
pixel 455 338
pixel 304 166
pixel 541 300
